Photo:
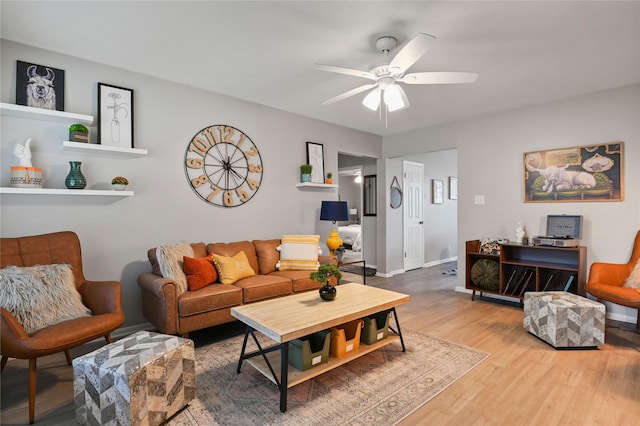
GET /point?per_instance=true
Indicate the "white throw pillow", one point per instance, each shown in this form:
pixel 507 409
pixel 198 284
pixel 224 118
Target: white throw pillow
pixel 633 280
pixel 170 260
pixel 299 253
pixel 40 295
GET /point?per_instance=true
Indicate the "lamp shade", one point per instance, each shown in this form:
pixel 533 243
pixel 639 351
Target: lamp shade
pixel 334 211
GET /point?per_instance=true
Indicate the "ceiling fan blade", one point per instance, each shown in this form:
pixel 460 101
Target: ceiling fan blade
pixel 347 71
pixel 439 78
pixel 349 93
pixel 410 53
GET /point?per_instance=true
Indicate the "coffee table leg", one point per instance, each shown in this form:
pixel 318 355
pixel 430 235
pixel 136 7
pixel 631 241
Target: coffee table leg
pixel 395 315
pixel 244 346
pixel 284 375
pixel 364 272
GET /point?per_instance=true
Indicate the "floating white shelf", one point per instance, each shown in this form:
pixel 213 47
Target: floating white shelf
pixel 102 149
pixel 60 191
pixel 20 111
pixel 316 185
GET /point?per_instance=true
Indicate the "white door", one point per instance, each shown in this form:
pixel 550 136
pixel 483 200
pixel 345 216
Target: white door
pixel 412 215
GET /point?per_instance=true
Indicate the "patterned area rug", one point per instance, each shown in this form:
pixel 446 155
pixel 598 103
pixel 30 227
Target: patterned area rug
pixel 382 387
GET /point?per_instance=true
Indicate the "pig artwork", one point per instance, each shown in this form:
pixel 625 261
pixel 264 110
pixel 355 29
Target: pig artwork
pixel 560 179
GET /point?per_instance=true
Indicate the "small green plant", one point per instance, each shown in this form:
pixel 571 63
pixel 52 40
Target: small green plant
pixel 119 180
pixel 78 128
pixel 325 272
pixel 305 169
pixel 329 175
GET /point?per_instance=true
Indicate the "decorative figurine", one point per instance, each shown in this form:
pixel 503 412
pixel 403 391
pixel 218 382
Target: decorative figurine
pixel 23 152
pixel 25 175
pixel 520 233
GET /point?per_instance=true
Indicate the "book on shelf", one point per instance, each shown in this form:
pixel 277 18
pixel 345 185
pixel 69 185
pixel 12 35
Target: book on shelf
pixel 546 286
pixel 506 288
pixel 517 287
pixel 569 281
pixel 526 284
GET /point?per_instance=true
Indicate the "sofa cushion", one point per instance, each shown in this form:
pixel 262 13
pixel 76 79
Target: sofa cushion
pixel 209 298
pixel 261 287
pixel 267 254
pixel 299 253
pixel 300 280
pixel 200 272
pixel 231 269
pixel 42 295
pixel 231 249
pixel 199 250
pixel 170 262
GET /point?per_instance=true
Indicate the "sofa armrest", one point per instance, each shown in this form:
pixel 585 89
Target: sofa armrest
pixel 609 273
pixel 102 297
pixel 160 302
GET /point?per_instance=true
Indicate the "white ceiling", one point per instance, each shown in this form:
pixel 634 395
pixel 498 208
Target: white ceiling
pixel 526 52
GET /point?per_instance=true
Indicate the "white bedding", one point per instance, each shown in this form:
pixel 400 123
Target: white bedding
pixel 351 234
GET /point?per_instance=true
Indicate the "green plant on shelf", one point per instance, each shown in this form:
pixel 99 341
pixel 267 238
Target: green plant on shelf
pixel 78 128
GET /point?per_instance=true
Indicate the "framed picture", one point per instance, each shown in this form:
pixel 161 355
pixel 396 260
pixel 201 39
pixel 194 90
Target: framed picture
pixel 437 191
pixel 39 86
pixel 315 157
pixel 453 188
pixel 575 174
pixel 369 197
pixel 115 116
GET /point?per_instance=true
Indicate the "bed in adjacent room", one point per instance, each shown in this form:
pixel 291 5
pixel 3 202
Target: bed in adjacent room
pixel 351 235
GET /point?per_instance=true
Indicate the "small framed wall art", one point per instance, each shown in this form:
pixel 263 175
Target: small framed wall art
pixel 437 191
pixel 315 157
pixel 39 86
pixel 453 188
pixel 115 116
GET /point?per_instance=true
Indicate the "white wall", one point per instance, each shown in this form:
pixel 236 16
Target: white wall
pixel 490 151
pixel 116 233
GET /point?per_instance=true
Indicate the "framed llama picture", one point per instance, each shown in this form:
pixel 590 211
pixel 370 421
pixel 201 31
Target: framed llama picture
pixel 575 174
pixel 115 116
pixel 39 86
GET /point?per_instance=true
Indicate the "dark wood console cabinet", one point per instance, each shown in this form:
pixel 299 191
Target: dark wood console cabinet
pixel 525 268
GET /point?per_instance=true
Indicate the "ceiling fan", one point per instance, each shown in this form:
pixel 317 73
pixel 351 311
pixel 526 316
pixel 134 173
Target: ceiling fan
pixel 386 76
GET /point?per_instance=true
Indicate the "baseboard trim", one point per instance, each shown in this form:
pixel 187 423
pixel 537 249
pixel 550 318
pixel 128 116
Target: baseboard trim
pixel 440 262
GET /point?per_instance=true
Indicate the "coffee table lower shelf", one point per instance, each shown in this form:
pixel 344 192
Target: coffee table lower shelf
pixel 296 376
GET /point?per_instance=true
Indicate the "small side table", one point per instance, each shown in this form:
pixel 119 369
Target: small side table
pixel 353 262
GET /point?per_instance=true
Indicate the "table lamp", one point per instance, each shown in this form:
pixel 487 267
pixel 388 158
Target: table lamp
pixel 334 211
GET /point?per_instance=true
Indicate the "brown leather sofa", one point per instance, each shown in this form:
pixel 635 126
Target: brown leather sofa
pixel 102 297
pixel 606 280
pixel 174 313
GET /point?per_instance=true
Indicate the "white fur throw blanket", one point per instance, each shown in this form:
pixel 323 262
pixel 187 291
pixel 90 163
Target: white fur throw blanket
pixel 40 295
pixel 170 260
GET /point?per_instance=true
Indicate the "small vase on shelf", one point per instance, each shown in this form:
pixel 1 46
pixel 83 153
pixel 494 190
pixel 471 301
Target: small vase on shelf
pixel 75 179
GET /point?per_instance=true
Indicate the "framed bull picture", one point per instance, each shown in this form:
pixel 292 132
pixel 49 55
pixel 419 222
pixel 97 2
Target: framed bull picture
pixel 579 173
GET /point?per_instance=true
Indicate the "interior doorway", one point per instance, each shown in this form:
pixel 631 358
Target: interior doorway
pixel 412 215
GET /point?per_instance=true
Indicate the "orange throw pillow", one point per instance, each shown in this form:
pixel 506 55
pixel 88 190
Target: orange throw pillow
pixel 200 272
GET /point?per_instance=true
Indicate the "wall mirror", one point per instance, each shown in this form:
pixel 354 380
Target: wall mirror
pixel 395 194
pixel 369 197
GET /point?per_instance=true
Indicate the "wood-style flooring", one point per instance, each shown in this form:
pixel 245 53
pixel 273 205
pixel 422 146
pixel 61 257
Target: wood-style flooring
pixel 523 382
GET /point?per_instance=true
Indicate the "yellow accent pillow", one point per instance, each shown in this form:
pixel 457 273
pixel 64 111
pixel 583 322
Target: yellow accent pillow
pixel 299 253
pixel 232 269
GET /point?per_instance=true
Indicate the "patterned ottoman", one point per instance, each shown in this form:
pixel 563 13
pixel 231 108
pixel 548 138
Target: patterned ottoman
pixel 141 380
pixel 564 319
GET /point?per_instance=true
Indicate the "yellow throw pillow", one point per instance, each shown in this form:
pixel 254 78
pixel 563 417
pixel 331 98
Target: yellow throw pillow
pixel 299 253
pixel 232 269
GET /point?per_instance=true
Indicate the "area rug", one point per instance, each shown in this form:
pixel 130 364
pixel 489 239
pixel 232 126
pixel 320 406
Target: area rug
pixel 382 387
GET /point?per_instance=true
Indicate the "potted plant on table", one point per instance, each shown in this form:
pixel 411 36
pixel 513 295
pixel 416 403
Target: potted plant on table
pixel 322 276
pixel 305 172
pixel 78 133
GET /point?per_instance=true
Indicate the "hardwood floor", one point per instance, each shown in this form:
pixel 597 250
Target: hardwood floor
pixel 523 382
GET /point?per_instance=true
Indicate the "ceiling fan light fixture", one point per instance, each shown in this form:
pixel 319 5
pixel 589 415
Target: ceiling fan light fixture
pixel 393 98
pixel 372 100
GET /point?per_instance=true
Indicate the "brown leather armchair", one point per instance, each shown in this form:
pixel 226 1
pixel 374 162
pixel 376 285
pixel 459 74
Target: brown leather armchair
pixel 606 279
pixel 102 297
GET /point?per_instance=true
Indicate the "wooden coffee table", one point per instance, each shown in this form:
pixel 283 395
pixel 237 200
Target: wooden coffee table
pixel 298 315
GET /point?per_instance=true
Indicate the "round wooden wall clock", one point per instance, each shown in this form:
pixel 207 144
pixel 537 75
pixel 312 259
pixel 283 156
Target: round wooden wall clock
pixel 223 166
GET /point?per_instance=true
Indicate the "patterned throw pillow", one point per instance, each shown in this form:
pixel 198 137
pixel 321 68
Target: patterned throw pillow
pixel 299 253
pixel 492 245
pixel 633 280
pixel 42 295
pixel 232 269
pixel 200 272
pixel 170 257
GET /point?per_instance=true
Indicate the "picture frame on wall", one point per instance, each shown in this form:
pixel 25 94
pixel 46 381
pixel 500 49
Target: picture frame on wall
pixel 437 191
pixel 575 174
pixel 39 86
pixel 453 188
pixel 315 157
pixel 115 116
